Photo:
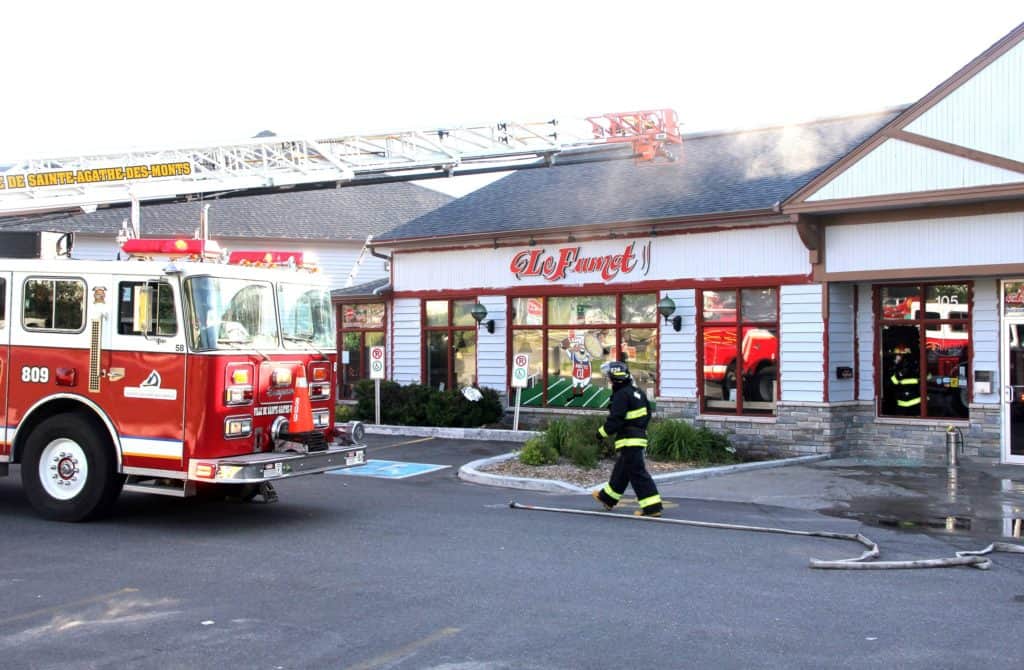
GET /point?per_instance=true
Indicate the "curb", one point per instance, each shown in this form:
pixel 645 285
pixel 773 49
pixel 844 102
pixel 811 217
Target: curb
pixel 470 473
pixel 491 434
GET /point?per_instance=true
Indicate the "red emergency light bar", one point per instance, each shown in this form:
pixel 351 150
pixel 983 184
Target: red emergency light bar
pixel 172 248
pixel 266 258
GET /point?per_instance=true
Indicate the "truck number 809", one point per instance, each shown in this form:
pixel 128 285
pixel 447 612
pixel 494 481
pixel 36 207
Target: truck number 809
pixel 35 375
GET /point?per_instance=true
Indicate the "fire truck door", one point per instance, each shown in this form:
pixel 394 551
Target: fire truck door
pixel 146 371
pixel 5 348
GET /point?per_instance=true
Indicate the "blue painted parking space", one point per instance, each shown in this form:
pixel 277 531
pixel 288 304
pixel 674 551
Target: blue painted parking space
pixel 388 469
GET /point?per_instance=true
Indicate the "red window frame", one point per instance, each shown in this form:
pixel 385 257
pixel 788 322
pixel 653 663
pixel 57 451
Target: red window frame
pixel 450 329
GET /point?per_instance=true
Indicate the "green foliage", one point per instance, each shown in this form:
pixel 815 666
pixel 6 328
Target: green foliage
pixel 419 405
pixel 673 440
pixel 537 452
pixel 344 413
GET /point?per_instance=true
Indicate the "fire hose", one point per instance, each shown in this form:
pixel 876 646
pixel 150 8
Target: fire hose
pixel 975 559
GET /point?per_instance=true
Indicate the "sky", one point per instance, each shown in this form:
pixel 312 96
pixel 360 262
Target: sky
pixel 111 75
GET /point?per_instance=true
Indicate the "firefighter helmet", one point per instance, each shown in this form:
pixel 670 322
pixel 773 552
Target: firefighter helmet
pixel 615 371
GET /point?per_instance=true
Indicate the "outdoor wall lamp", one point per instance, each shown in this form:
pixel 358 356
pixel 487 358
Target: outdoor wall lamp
pixel 666 306
pixel 479 313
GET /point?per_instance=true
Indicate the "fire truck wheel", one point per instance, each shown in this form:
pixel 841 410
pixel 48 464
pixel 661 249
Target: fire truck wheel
pixel 728 381
pixel 764 384
pixel 68 469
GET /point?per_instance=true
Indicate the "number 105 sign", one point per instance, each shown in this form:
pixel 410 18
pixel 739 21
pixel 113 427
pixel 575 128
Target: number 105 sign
pixel 520 363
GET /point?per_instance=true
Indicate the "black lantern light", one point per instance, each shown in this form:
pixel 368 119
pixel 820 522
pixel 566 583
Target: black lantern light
pixel 479 313
pixel 666 307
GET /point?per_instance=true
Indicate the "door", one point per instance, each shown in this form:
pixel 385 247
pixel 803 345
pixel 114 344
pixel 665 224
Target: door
pixel 1013 372
pixel 5 341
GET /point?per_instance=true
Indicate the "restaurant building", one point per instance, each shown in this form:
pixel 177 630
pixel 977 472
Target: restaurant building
pixel 849 285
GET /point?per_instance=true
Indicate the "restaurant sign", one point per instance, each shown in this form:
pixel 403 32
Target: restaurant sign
pixel 567 261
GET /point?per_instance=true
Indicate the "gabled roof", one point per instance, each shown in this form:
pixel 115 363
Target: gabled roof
pixel 896 129
pixel 349 213
pixel 717 173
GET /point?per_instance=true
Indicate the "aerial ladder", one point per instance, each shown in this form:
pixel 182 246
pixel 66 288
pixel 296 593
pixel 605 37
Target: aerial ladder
pixel 82 183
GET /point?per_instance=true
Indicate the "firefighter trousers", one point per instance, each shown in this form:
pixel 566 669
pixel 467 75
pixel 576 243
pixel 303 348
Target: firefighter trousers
pixel 630 470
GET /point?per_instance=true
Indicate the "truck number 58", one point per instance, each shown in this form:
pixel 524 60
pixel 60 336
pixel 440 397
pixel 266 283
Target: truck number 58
pixel 35 375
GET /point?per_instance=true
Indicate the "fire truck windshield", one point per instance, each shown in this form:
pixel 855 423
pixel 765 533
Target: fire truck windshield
pixel 306 316
pixel 226 313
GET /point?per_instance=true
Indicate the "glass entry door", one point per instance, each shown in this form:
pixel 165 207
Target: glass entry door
pixel 1013 371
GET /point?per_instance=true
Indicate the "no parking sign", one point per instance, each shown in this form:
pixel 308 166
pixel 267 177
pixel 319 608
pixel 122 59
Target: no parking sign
pixel 376 362
pixel 520 363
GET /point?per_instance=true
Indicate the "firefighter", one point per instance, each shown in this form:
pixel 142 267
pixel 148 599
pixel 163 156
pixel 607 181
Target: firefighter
pixel 906 384
pixel 627 420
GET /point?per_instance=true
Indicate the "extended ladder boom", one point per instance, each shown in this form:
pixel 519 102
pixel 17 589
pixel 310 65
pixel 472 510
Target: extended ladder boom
pixel 88 181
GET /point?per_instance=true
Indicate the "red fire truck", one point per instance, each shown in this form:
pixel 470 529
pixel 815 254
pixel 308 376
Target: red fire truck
pixel 759 349
pixel 172 372
pixel 183 368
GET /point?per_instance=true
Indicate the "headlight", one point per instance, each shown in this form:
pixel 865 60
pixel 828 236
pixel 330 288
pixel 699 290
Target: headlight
pixel 237 426
pixel 321 418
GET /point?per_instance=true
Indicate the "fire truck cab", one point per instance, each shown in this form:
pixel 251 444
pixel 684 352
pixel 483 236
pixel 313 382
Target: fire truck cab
pixel 171 372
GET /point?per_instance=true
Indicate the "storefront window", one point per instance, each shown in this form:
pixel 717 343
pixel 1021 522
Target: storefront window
pixel 923 359
pixel 449 343
pixel 579 334
pixel 362 327
pixel 739 333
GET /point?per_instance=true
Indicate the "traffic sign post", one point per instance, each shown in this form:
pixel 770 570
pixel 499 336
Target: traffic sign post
pixel 376 374
pixel 520 366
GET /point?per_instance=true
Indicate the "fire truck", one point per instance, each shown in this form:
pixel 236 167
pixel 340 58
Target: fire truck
pixel 185 368
pixel 760 355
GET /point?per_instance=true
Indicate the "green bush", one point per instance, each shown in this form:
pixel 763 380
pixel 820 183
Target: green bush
pixel 673 440
pixel 583 450
pixel 536 451
pixel 419 405
pixel 344 413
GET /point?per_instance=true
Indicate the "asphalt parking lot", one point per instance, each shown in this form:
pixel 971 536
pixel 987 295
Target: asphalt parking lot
pixel 428 571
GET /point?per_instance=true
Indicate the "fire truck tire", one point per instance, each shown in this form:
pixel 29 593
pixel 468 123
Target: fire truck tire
pixel 68 469
pixel 763 383
pixel 729 380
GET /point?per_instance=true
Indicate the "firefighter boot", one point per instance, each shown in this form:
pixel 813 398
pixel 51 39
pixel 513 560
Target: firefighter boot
pixel 648 512
pixel 596 495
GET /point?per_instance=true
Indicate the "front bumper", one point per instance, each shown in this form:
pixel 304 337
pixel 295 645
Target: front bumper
pixel 271 466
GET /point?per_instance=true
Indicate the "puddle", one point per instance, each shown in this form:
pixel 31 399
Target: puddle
pixel 937 500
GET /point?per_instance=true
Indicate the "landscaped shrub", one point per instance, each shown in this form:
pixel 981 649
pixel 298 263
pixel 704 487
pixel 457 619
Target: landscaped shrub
pixel 674 440
pixel 418 405
pixel 344 413
pixel 582 449
pixel 536 451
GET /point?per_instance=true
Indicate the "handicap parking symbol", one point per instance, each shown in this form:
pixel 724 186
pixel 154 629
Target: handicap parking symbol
pixel 388 469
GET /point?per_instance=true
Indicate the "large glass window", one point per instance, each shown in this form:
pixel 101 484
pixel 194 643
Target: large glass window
pixel 568 338
pixel 362 327
pixel 923 356
pixel 306 316
pixel 230 313
pixel 54 304
pixel 449 343
pixel 146 308
pixel 739 333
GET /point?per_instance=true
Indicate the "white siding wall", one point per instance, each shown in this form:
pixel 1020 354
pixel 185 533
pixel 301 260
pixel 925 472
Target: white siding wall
pixel 335 259
pixel 840 340
pixel 491 364
pixel 985 112
pixel 900 167
pixel 802 336
pixel 985 335
pixel 679 350
pixel 985 239
pixel 865 342
pixel 407 344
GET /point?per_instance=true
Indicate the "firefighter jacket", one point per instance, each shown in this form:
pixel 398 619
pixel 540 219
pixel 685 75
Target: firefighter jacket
pixel 628 416
pixel 906 384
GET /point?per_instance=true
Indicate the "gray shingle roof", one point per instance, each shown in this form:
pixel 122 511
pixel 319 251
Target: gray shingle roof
pixel 349 213
pixel 360 290
pixel 716 173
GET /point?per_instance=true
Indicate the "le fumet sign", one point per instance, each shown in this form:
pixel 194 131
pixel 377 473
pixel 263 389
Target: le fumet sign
pixel 558 264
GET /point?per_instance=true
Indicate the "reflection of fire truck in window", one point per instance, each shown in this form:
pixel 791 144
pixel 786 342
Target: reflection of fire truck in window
pixel 946 342
pixel 759 349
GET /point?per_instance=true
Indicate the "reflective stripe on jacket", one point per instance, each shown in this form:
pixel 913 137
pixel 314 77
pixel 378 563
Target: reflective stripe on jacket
pixel 628 416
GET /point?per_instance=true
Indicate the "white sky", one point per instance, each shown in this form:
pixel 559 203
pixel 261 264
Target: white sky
pixel 107 74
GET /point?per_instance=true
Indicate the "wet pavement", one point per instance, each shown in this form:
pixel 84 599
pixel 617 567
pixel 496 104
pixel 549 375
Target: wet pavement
pixel 979 499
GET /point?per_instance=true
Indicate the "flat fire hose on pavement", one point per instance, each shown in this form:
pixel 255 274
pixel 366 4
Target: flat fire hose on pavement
pixel 974 559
